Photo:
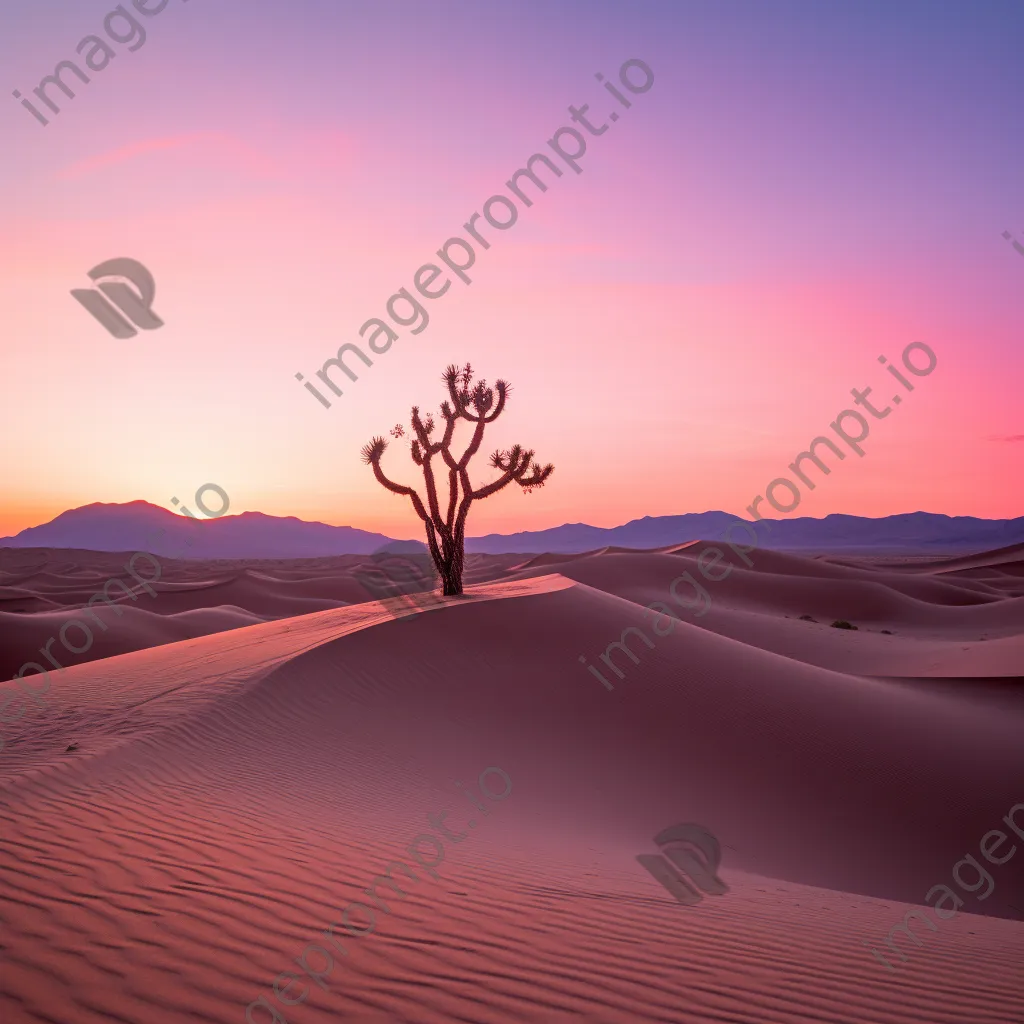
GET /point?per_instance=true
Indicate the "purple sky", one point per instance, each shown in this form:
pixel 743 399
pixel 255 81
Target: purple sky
pixel 804 188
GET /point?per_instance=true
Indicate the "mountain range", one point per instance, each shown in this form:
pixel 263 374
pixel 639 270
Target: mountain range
pixel 132 526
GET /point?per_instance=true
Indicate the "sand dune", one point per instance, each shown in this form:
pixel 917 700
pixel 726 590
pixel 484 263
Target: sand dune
pixel 230 793
pixel 41 589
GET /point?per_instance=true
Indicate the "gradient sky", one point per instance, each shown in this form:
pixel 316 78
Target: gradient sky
pixel 805 187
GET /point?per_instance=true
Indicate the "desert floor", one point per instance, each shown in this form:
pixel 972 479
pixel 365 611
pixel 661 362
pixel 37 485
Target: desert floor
pixel 252 746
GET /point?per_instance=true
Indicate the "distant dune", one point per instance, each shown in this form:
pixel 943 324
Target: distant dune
pixel 230 793
pixel 41 589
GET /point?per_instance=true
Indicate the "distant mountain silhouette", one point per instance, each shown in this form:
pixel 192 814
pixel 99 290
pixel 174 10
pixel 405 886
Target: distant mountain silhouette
pixel 132 527
pixel 649 532
pixel 907 532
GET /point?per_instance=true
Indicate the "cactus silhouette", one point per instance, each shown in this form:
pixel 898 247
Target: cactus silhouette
pixel 479 405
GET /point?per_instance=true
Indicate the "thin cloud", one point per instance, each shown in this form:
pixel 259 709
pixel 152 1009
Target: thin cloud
pixel 208 145
pixel 294 153
pixel 1010 438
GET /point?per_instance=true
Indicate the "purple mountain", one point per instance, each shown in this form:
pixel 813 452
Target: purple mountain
pixel 134 527
pixel 909 532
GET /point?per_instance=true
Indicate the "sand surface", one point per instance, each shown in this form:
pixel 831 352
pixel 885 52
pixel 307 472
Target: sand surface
pixel 256 743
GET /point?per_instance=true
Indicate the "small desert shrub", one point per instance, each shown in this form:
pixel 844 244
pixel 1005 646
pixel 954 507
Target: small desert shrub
pixel 889 631
pixel 842 624
pixel 808 618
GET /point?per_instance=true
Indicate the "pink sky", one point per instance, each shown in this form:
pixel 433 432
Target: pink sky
pixel 678 321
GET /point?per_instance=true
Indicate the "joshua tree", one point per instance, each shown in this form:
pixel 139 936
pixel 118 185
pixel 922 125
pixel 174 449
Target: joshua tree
pixel 477 404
